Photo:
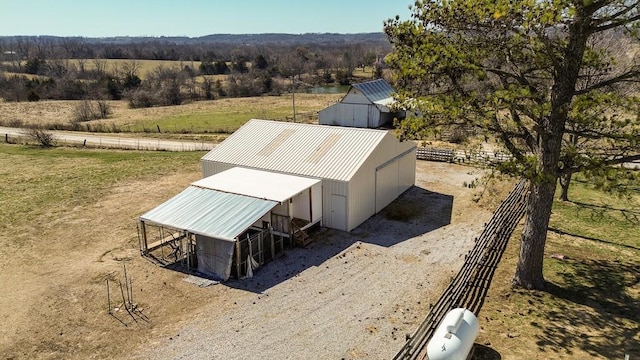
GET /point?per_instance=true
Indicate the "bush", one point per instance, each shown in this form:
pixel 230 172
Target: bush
pixel 458 136
pixel 44 138
pixel 140 98
pixel 86 111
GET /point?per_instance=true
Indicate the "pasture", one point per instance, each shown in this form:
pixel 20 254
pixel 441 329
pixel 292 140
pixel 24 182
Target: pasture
pixel 215 116
pixel 590 307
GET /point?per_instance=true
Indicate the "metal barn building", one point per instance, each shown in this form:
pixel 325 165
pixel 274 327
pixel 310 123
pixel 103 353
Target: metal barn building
pixel 362 170
pixel 366 105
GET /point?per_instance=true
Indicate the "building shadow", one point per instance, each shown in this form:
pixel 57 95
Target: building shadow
pixel 602 286
pixel 416 212
pixel 424 210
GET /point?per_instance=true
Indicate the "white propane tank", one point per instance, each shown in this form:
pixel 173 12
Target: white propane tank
pixel 454 337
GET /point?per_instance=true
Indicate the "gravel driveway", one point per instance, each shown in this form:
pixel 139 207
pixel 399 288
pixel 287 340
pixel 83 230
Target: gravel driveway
pixel 348 295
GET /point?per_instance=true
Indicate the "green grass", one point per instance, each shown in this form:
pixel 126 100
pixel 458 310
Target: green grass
pixel 213 121
pixel 39 182
pixel 602 218
pixel 227 115
pixel 590 306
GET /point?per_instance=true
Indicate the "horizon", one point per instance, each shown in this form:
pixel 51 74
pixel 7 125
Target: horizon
pixel 190 37
pixel 194 18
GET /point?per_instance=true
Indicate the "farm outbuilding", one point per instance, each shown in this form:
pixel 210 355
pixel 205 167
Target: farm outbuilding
pixel 232 222
pixel 366 105
pixel 362 170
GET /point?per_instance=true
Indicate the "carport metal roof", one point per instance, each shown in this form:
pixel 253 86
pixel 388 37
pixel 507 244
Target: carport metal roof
pixel 210 212
pixel 226 204
pixel 257 183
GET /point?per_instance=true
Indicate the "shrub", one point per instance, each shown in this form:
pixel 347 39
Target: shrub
pixel 86 111
pixel 42 137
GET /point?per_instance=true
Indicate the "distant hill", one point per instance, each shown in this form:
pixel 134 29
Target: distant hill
pixel 234 39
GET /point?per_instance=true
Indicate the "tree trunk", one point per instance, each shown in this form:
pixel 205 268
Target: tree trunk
pixel 565 181
pixel 529 269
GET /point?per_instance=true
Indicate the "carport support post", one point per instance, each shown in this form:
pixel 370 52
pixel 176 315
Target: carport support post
pixel 273 244
pixel 238 258
pixel 143 235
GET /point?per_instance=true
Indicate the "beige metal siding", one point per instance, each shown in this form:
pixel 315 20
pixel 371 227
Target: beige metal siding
pixel 362 195
pixel 387 188
pixel 362 188
pixel 407 170
pixel 211 168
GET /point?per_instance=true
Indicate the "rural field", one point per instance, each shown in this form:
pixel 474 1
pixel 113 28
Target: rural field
pixel 69 224
pixel 221 116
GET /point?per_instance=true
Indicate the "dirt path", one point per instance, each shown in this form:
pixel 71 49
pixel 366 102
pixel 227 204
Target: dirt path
pixel 113 142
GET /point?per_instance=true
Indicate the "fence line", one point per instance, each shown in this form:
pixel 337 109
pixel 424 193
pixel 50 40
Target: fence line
pixel 460 156
pixel 469 287
pixel 123 143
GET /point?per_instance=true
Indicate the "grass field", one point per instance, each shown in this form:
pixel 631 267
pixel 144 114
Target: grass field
pixel 68 224
pixel 590 308
pixel 222 115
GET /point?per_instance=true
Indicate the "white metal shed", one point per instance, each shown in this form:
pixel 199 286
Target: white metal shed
pixel 366 105
pixel 362 170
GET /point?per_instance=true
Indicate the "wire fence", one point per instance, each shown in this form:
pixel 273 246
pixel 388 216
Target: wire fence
pixel 113 142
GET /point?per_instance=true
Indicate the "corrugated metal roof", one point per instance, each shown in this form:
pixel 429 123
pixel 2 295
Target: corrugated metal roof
pixel 375 90
pixel 257 183
pixel 318 151
pixel 210 213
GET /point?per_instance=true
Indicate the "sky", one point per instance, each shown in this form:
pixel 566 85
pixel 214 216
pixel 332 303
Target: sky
pixel 193 18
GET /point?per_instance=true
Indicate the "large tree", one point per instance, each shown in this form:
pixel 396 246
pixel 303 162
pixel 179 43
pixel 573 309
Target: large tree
pixel 531 73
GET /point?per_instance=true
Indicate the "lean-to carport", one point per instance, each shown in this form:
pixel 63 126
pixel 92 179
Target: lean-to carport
pixel 231 218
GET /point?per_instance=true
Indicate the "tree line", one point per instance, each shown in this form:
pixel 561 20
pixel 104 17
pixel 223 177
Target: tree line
pixel 75 68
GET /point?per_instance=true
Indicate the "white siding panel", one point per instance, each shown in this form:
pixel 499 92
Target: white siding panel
pixel 316 202
pixel 387 188
pixel 339 218
pixel 355 96
pixel 330 188
pixel 211 168
pixel 374 116
pixel 407 171
pixel 362 195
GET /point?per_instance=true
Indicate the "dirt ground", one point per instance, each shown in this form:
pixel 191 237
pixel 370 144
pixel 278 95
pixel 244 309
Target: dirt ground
pixel 348 295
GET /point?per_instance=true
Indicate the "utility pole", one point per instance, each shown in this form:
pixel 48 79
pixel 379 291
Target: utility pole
pixel 293 86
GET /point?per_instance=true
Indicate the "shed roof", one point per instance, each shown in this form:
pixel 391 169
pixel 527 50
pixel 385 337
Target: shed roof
pixel 377 91
pixel 209 212
pixel 318 151
pixel 256 183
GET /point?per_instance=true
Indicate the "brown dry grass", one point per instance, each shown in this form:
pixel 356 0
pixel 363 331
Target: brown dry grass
pixel 239 110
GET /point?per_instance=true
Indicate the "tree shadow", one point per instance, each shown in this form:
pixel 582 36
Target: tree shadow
pixel 562 232
pixel 601 210
pixel 483 352
pixel 611 328
pixel 424 210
